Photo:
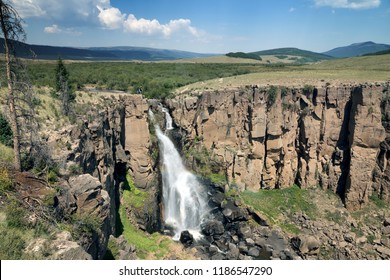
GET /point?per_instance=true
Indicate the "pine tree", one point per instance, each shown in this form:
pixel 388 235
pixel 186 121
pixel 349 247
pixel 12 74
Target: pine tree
pixel 63 87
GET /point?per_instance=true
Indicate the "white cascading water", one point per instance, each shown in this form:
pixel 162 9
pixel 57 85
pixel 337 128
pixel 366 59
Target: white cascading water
pixel 184 197
pixel 168 119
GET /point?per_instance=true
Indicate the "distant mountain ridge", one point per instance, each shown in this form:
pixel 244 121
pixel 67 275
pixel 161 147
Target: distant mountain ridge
pixel 99 53
pixel 153 54
pixel 357 49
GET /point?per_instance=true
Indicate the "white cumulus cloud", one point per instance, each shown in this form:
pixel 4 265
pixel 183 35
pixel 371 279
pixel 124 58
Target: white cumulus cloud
pixel 55 29
pixel 28 8
pixel 59 9
pixel 349 4
pixel 52 29
pixel 71 14
pixel 113 18
pixel 150 27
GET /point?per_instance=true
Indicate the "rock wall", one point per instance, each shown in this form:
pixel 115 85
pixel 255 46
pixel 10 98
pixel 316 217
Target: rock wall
pixel 114 144
pixel 274 137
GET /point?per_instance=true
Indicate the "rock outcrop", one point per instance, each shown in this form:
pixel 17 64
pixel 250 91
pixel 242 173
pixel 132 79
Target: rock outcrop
pixel 84 197
pixel 105 150
pixel 275 137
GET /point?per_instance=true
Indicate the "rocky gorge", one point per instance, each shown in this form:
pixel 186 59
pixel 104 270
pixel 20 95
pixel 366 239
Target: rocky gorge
pixel 326 140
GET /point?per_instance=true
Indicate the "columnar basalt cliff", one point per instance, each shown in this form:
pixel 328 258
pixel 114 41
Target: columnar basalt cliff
pixel 273 137
pixel 116 143
pixel 262 138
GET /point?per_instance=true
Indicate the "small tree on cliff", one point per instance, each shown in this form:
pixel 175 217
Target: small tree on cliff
pixel 63 87
pixel 12 29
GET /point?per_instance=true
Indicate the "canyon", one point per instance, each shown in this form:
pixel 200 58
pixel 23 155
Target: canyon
pixel 322 139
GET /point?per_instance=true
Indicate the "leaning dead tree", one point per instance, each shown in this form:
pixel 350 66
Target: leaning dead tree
pixel 20 98
pixel 12 29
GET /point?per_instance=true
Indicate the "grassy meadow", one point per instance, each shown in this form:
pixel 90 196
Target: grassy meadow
pixel 162 79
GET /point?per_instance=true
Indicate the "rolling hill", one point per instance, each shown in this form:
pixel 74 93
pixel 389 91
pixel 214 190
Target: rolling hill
pixel 378 53
pixel 300 56
pixel 357 49
pixel 99 53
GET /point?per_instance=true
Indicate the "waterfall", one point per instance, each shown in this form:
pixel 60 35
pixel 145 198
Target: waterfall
pixel 184 197
pixel 168 119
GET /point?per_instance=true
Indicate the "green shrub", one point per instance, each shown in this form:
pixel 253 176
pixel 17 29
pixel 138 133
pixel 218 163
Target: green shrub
pixel 283 91
pixel 11 244
pixel 52 177
pixel 308 89
pixel 84 225
pixel 15 215
pixel 370 238
pixel 6 154
pixel 272 95
pixel 5 180
pixel 75 169
pixel 244 55
pixel 5 132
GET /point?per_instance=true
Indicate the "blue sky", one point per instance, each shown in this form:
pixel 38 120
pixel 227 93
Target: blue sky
pixel 207 26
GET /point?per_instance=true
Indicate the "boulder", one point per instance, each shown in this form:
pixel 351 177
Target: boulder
pixel 385 252
pixel 350 237
pixel 306 244
pixel 254 252
pixel 186 238
pixel 234 213
pixel 259 218
pixel 61 248
pixel 211 228
pixel 89 195
pixel 386 231
pixel 244 231
pixel 233 252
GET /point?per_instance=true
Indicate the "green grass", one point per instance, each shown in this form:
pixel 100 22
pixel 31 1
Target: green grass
pixel 12 244
pixel 145 244
pixel 217 178
pixel 380 203
pixel 275 204
pixel 156 79
pixel 112 250
pixel 132 196
pixel 291 228
pixel 6 154
pixel 165 78
pixel 336 217
pixel 333 72
pixel 366 63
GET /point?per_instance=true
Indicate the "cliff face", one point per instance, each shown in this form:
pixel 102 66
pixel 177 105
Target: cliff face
pixel 114 144
pixel 274 137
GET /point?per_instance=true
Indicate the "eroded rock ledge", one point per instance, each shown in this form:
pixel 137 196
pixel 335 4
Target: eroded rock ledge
pixel 333 137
